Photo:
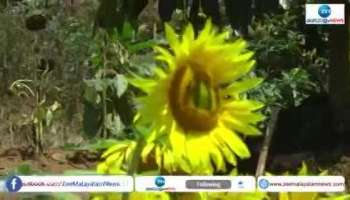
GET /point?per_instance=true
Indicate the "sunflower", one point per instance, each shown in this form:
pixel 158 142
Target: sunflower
pixel 116 158
pixel 195 104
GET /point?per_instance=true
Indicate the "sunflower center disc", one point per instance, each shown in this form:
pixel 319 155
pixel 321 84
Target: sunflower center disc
pixel 193 100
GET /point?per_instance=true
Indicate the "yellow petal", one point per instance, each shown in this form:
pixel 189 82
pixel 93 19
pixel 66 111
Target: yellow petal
pixel 116 170
pixel 242 68
pixel 240 126
pixel 102 168
pixel 171 37
pixel 130 150
pixel 116 157
pixel 244 105
pixel 165 55
pixel 206 32
pixel 251 118
pixel 242 86
pixel 146 151
pixel 217 158
pixel 114 196
pixel 197 151
pixel 159 156
pixel 122 145
pixel 188 37
pixel 169 161
pixel 234 142
pixel 177 140
pixel 220 144
pixel 283 196
pixel 303 170
pixel 145 85
pixel 303 195
pixel 159 72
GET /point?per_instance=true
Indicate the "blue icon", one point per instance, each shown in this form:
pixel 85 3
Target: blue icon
pixel 324 11
pixel 14 184
pixel 240 184
pixel 160 181
pixel 263 183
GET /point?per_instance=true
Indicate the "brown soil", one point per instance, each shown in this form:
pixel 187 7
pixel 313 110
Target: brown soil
pixel 53 161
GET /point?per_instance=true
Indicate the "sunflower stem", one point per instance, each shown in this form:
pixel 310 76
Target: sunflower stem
pixel 134 162
pixel 104 94
pixel 267 142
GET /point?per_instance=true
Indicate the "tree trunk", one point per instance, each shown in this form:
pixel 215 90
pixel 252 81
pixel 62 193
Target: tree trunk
pixel 339 76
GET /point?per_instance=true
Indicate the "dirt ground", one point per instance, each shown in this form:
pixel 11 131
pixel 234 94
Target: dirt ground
pixel 54 161
pixel 22 160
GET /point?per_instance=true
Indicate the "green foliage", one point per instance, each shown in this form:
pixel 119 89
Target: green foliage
pixel 23 169
pixel 43 112
pixel 292 71
pixel 102 94
pixel 117 85
pixel 277 43
pixel 43 67
pixel 106 95
pixel 288 90
pixel 280 44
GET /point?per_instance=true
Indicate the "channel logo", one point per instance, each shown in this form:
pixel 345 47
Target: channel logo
pixel 159 182
pixel 324 11
pixel 14 184
pixel 324 14
pixel 263 183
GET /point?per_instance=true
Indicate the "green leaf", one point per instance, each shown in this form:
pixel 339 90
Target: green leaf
pixel 120 84
pixel 49 116
pixel 133 48
pixel 55 106
pixel 24 169
pixel 114 124
pixel 100 85
pixel 90 94
pixel 127 32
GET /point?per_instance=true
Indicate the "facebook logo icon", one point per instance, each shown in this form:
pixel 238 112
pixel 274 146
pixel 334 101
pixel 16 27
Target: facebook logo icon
pixel 13 184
